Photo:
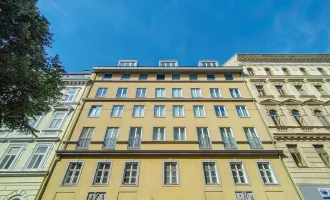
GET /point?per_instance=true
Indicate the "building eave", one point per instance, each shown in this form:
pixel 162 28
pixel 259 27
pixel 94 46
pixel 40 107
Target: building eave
pixel 283 57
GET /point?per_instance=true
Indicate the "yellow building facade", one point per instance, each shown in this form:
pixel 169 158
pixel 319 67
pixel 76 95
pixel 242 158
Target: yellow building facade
pixel 168 132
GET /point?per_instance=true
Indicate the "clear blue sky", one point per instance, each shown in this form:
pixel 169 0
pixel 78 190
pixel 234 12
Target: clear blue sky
pixel 101 32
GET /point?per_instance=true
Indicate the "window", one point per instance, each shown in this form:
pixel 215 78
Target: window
pixel 107 76
pixel 280 90
pixel 117 111
pixel 101 92
pixel 176 77
pixel 285 71
pixel 321 71
pixel 9 157
pixel 252 138
pixel 303 71
pixel 196 93
pixel 168 63
pixel 128 63
pixel 177 93
pixel 160 77
pixel 69 95
pixel 121 93
pixel 158 134
pixel 179 134
pixel 33 121
pixel 110 138
pixel 298 159
pixel 85 138
pixel 73 173
pixel 160 92
pixel 95 111
pixel 143 77
pixel 134 138
pixel 208 63
pixel 300 90
pixel 159 111
pixel 323 154
pixel 261 90
pixel 245 195
pixel 235 93
pixel 96 196
pixel 138 111
pixel 57 120
pixel 242 111
pixel 204 139
pixel 229 77
pixel 238 172
pixel 211 175
pixel 37 157
pixel 320 89
pixel 193 77
pixel 131 171
pixel 141 93
pixel 250 71
pixel 215 92
pixel 178 111
pixel 220 111
pixel 199 111
pixel 102 173
pixel 275 118
pixel 321 118
pixel 299 119
pixel 171 173
pixel 268 72
pixel 266 173
pixel 125 77
pixel 210 77
pixel 228 138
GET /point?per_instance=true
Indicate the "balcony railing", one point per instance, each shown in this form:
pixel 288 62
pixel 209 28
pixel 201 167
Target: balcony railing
pixel 49 133
pixel 204 143
pixel 134 142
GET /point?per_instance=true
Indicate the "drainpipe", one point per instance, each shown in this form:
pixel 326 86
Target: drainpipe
pixel 273 142
pixel 57 158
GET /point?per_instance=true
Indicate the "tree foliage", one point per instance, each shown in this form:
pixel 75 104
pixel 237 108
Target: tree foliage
pixel 30 80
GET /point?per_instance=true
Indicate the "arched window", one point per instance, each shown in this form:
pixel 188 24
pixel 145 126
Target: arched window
pixel 250 71
pixel 303 71
pixel 17 198
pixel 285 70
pixel 296 115
pixel 321 118
pixel 321 71
pixel 268 72
pixel 276 119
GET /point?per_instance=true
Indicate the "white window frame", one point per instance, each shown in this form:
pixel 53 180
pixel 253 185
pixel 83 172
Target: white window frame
pixel 104 194
pixel 215 91
pixel 199 111
pixel 179 106
pixel 158 110
pixel 177 93
pixel 37 122
pixel 172 63
pixel 236 93
pixel 138 111
pixel 196 93
pixel 201 63
pixel 280 90
pixel 162 91
pixel 147 76
pixel 240 107
pixel 184 133
pixel 110 138
pixel 300 90
pixel 176 77
pixel 246 176
pixel 210 75
pixel 245 129
pixel 271 169
pixel 158 137
pixel 76 89
pixel 102 176
pixel 218 107
pixel 42 161
pixel 194 75
pixel 137 173
pixel 120 111
pixel 104 92
pixel 96 110
pixel 142 91
pixel 66 171
pixel 131 63
pixel 242 194
pixel 14 162
pixel 122 93
pixel 204 136
pixel 230 134
pixel 135 146
pixel 216 172
pixel 125 79
pixel 86 139
pixel 53 117
pixel 106 79
pixel 177 173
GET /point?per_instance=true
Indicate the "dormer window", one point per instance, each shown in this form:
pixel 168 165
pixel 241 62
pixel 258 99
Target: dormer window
pixel 127 63
pixel 168 63
pixel 208 63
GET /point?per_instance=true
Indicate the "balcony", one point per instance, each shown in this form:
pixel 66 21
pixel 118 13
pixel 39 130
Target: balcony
pixel 48 133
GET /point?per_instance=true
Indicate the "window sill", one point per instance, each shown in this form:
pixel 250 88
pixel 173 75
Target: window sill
pixel 104 185
pixel 138 116
pixel 212 185
pixel 200 116
pixel 93 116
pixel 116 116
pixel 222 116
pixel 171 185
pixel 124 185
pixel 159 116
pixel 244 116
pixel 179 116
pixel 271 184
pixel 68 185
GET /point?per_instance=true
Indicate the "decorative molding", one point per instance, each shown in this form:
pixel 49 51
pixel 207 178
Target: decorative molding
pixel 284 57
pixel 171 99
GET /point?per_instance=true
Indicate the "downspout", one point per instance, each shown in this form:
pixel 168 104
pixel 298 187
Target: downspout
pixel 273 142
pixel 74 120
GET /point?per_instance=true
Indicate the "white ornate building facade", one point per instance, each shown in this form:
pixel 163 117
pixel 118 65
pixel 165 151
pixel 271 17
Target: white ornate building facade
pixel 292 93
pixel 24 158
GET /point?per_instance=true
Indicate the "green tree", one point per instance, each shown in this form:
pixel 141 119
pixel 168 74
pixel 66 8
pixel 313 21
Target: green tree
pixel 30 80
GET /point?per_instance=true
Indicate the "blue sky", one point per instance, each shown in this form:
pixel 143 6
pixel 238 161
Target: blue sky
pixel 101 32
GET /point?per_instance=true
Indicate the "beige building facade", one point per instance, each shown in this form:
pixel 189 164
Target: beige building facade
pixel 168 132
pixel 24 158
pixel 292 92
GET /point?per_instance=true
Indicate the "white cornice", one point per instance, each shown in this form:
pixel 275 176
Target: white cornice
pixel 284 57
